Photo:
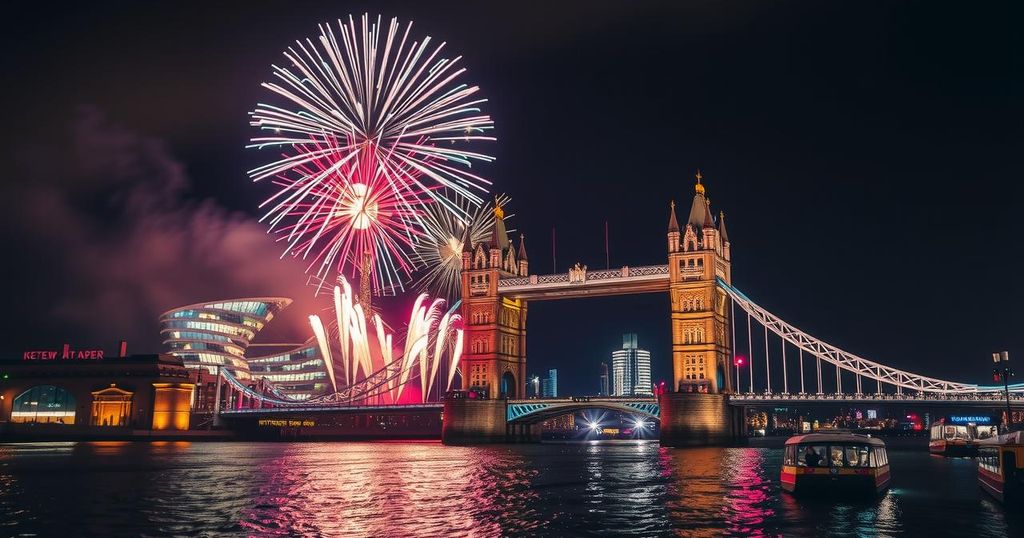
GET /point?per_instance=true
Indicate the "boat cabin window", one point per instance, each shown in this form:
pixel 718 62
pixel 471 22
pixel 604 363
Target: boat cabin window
pixel 880 453
pixel 988 459
pixel 789 455
pixel 812 455
pixel 857 456
pixel 837 455
pixel 956 432
pixel 984 432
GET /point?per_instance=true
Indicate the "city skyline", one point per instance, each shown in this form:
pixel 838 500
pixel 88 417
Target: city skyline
pixel 459 268
pixel 822 194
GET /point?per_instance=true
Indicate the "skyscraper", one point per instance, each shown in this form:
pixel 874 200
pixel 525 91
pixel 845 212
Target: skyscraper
pixel 631 369
pixel 603 383
pixel 549 385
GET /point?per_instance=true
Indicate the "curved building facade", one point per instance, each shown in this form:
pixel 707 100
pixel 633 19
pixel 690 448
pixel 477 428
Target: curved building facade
pixel 217 333
pixel 298 372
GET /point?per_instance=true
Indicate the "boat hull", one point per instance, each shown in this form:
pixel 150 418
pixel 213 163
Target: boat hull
pixel 946 448
pixel 831 481
pixel 992 484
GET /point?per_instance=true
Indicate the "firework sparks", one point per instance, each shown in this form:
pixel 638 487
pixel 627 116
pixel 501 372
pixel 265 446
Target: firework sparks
pixel 439 249
pixel 433 341
pixel 373 128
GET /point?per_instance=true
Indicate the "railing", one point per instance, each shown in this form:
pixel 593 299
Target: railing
pixel 589 276
pixel 518 409
pixel 585 399
pixel 934 396
pixel 548 279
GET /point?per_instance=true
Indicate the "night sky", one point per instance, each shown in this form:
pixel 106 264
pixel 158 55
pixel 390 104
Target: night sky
pixel 867 157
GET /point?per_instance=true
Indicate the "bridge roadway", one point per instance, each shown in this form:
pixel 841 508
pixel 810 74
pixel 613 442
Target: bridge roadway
pixel 539 409
pixel 992 400
pixel 239 413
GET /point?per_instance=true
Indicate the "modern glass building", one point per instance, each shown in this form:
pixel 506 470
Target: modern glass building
pixel 549 385
pixel 299 372
pixel 217 333
pixel 631 369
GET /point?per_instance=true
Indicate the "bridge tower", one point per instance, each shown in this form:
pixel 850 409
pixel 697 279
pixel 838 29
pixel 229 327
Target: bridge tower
pixel 494 356
pixel 698 254
pixel 695 411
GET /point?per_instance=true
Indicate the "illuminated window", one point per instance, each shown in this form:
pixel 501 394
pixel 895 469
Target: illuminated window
pixel 44 404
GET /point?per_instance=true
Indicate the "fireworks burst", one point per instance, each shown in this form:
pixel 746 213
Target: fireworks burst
pixel 431 350
pixel 439 249
pixel 371 132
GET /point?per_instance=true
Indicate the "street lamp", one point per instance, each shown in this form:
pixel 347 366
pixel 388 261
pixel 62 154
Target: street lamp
pixel 1003 371
pixel 738 362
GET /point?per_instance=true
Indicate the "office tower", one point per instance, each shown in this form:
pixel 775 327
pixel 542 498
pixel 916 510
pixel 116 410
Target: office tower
pixel 631 369
pixel 603 389
pixel 549 385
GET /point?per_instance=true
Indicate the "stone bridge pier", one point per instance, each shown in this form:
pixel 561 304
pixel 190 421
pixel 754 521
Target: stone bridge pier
pixel 696 419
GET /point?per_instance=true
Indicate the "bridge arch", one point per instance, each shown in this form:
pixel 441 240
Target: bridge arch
pixel 537 411
pixel 508 384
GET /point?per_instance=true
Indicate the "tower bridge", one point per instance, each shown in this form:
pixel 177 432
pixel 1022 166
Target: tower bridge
pixel 711 380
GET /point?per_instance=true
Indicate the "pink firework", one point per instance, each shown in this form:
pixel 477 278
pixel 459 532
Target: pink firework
pixel 372 126
pixel 353 211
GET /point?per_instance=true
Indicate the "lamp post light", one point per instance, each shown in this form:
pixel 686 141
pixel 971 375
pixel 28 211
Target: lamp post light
pixel 1002 371
pixel 738 363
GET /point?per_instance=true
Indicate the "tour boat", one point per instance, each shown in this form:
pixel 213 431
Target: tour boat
pixel 837 462
pixel 1000 470
pixel 958 435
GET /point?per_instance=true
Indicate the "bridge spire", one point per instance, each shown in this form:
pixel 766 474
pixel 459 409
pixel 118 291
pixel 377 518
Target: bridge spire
pixel 673 224
pixel 721 227
pixel 467 241
pixel 699 208
pixel 499 238
pixel 523 262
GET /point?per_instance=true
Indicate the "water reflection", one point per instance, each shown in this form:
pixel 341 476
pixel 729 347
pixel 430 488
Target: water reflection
pixel 425 489
pixel 373 489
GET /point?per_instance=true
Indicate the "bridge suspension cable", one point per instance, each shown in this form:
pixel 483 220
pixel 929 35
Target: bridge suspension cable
pixel 785 381
pixel 801 371
pixel 842 360
pixel 767 362
pixel 750 351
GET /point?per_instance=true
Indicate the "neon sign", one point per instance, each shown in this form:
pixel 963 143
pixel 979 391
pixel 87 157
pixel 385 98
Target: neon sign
pixel 966 419
pixel 286 423
pixel 65 354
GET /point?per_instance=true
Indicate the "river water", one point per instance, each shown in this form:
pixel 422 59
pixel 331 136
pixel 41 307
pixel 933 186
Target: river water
pixel 425 489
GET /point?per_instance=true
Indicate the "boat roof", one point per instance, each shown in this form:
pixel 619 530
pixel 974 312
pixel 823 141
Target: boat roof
pixel 1012 438
pixel 835 437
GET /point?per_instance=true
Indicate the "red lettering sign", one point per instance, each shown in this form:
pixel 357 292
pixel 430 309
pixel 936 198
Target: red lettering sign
pixel 66 353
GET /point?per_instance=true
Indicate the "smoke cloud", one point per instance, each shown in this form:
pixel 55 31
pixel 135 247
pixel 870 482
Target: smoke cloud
pixel 106 238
